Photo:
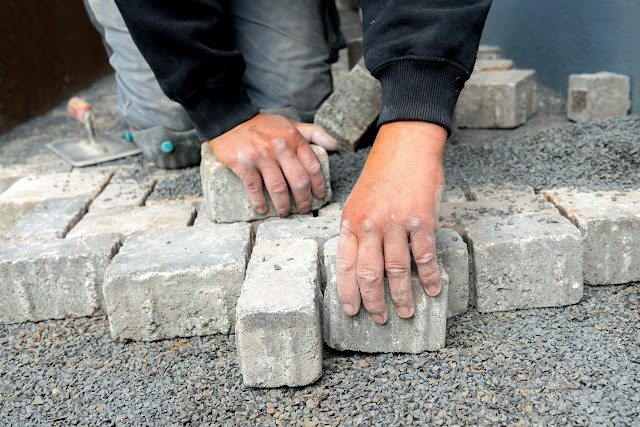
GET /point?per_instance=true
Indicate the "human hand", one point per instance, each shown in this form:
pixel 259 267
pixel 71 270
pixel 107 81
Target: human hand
pixel 271 149
pixel 396 200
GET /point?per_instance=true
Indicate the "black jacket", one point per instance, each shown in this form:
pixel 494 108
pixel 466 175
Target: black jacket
pixel 422 51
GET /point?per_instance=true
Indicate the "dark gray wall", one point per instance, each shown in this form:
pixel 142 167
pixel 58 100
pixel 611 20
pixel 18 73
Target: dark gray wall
pixel 562 37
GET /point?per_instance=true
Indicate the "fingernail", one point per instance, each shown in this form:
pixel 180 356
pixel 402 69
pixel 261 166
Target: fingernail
pixel 378 318
pixel 262 210
pixel 405 312
pixel 349 309
pixel 433 290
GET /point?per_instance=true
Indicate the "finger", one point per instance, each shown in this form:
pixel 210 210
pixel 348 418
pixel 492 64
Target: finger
pixel 317 135
pixel 297 178
pixel 370 274
pixel 277 187
pixel 397 262
pixel 348 290
pixel 423 245
pixel 313 168
pixel 253 184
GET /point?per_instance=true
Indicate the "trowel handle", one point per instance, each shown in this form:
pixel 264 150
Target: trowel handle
pixel 78 108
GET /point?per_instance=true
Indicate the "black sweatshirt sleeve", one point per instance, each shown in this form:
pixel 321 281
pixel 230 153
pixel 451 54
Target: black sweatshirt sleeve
pixel 189 46
pixel 423 52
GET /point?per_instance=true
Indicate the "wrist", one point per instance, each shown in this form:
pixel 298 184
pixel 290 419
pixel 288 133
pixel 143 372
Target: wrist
pixel 412 137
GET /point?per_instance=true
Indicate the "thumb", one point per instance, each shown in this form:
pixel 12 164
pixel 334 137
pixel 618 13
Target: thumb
pixel 316 134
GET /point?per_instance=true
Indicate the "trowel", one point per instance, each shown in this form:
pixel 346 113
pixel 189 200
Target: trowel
pixel 95 148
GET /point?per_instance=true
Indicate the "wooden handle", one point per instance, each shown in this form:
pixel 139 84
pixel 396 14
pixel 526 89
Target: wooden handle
pixel 78 107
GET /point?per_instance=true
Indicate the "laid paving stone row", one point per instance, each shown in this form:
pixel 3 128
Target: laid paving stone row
pixel 337 114
pixel 459 215
pixel 121 194
pixel 491 191
pixel 177 282
pixel 184 187
pixel 10 174
pixel 610 225
pixel 497 99
pixel 593 96
pixel 51 219
pixel 226 199
pixel 54 280
pixel 278 334
pixel 27 192
pixel 126 222
pixel 525 262
pixel 452 254
pixel 425 331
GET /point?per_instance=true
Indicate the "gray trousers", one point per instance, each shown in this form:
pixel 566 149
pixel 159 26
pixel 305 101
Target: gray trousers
pixel 288 47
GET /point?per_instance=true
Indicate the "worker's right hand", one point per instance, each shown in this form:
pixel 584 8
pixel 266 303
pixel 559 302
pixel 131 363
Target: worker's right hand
pixel 275 150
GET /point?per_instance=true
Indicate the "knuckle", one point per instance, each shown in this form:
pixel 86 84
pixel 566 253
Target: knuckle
pixel 368 277
pixel 315 167
pixel 278 188
pixel 401 296
pixel 425 260
pixel 397 270
pixel 344 265
pixel 369 226
pixel 301 184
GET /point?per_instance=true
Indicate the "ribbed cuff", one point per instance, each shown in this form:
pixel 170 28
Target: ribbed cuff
pixel 425 90
pixel 214 112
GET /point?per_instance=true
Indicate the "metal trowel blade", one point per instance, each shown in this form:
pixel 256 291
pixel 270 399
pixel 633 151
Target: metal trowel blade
pixel 82 152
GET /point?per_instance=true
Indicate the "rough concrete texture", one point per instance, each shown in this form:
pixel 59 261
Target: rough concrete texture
pixel 525 262
pixel 352 108
pixel 278 336
pixel 425 331
pixel 319 229
pixel 497 99
pixel 492 65
pixel 27 192
pixel 459 215
pixel 10 174
pixel 121 194
pixel 610 225
pixel 454 194
pixel 54 280
pixel 332 209
pixel 226 199
pixel 183 186
pixel 50 219
pixel 489 52
pixel 125 222
pixel 177 283
pixel 593 96
pixel 452 254
pixel 492 191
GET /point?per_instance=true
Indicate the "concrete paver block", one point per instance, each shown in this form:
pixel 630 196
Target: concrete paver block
pixel 50 219
pixel 54 280
pixel 492 191
pixel 454 194
pixel 610 226
pixel 593 96
pixel 497 99
pixel 489 52
pixel 452 254
pixel 278 335
pixel 352 108
pixel 332 209
pixel 492 65
pixel 122 193
pixel 525 262
pixel 319 229
pixel 125 222
pixel 459 215
pixel 425 331
pixel 28 191
pixel 177 282
pixel 226 199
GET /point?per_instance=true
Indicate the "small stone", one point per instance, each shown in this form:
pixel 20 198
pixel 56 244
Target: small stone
pixel 38 401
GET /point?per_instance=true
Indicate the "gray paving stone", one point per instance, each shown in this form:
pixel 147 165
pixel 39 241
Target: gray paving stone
pixel 451 251
pixel 319 229
pixel 610 226
pixel 50 219
pixel 454 194
pixel 332 209
pixel 492 65
pixel 125 222
pixel 525 262
pixel 55 279
pixel 458 215
pixel 425 331
pixel 27 192
pixel 226 199
pixel 278 336
pixel 177 282
pixel 593 96
pixel 352 108
pixel 10 174
pixel 122 193
pixel 493 191
pixel 497 99
pixel 489 52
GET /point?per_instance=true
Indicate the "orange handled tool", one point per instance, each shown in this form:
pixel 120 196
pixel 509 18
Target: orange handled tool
pixel 81 110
